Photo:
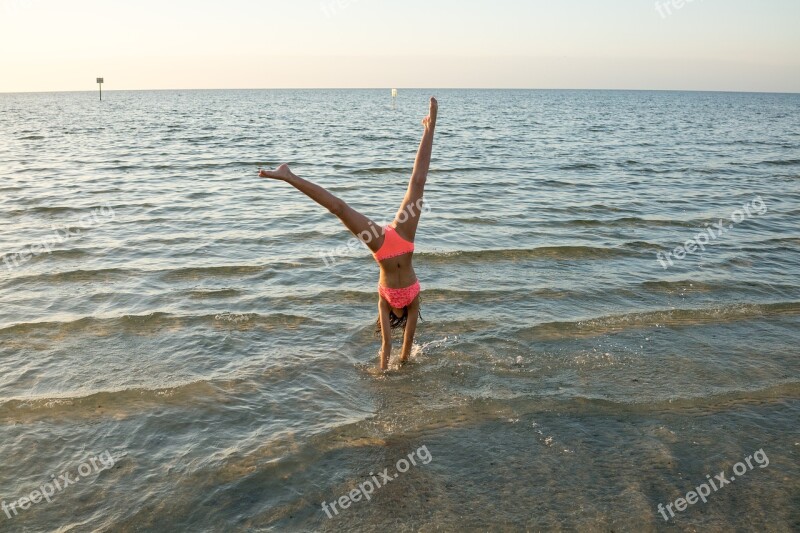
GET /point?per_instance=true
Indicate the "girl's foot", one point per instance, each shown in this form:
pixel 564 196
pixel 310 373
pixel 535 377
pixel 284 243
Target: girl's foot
pixel 430 121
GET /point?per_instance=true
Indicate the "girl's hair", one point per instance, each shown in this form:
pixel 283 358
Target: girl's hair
pixel 394 321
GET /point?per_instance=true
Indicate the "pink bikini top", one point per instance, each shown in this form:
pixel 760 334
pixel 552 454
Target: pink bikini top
pixel 393 245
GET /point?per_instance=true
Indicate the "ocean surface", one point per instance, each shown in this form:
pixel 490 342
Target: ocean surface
pixel 168 318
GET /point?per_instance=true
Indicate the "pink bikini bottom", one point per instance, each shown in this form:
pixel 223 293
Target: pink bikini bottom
pixel 399 298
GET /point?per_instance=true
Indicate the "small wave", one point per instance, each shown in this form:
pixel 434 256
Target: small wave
pixel 75 276
pixel 65 254
pixel 116 402
pixel 580 166
pixel 438 170
pixel 198 140
pixel 642 247
pixel 593 209
pixel 673 318
pixel 625 222
pixel 181 165
pixel 207 294
pixel 754 142
pixel 604 207
pixel 588 222
pixel 477 168
pixel 149 324
pixel 781 162
pixel 213 271
pixel 686 287
pixel 200 194
pixel 543 252
pixel 682 286
pixel 378 171
pixel 49 210
pixel 374 138
pixel 781 243
pixel 329 296
pixel 483 221
pixel 658 222
pixel 179 274
pixel 483 297
pixel 166 241
pixel 559 183
pixel 32 138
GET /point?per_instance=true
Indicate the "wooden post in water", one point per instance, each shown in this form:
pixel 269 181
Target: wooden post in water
pixel 100 83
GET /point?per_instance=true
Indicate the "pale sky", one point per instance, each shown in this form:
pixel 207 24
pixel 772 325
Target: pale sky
pixel 729 45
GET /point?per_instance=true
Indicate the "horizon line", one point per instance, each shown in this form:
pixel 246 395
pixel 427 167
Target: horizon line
pixel 105 90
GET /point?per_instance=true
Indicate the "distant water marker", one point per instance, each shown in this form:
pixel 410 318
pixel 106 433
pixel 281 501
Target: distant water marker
pixel 100 84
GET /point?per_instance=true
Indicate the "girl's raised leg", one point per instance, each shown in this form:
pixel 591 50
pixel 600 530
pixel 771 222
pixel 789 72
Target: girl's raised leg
pixel 408 215
pixel 361 226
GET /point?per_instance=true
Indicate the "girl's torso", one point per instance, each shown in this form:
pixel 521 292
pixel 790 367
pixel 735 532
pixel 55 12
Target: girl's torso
pixel 398 272
pixel 395 260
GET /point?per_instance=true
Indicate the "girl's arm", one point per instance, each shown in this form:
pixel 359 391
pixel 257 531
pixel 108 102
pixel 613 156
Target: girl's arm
pixel 411 329
pixel 386 333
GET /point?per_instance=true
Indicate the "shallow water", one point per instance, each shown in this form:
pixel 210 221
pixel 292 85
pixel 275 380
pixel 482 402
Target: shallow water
pixel 188 325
